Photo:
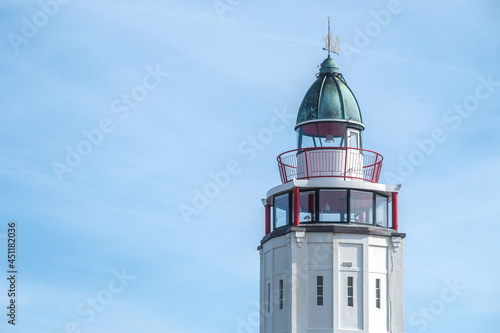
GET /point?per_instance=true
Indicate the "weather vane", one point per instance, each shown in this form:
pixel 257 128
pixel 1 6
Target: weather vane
pixel 328 41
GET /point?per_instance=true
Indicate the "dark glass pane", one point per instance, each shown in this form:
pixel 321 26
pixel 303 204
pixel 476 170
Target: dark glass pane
pixel 322 134
pixel 281 210
pixel 319 289
pixel 306 206
pixel 361 207
pixel 381 211
pixel 268 298
pixel 333 206
pixel 350 291
pixel 281 294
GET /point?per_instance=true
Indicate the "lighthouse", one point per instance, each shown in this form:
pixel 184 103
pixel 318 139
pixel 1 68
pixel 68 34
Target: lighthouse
pixel 331 259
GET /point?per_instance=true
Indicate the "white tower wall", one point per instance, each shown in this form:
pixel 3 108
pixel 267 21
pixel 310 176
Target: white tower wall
pixel 316 268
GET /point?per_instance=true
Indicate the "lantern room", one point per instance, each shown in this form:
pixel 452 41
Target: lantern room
pixel 329 114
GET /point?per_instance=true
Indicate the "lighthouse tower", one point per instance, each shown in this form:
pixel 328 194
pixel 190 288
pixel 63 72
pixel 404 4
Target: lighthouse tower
pixel 331 259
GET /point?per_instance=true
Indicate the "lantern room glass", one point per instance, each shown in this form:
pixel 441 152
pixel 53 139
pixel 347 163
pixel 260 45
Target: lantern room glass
pixel 321 134
pixel 328 134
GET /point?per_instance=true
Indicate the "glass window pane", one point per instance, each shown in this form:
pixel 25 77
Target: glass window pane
pixel 389 213
pixel 332 141
pixel 350 291
pixel 307 204
pixel 319 290
pixel 308 142
pixel 281 294
pixel 322 134
pixel 381 211
pixel 353 139
pixel 361 207
pixel 333 206
pixel 377 293
pixel 268 298
pixel 281 210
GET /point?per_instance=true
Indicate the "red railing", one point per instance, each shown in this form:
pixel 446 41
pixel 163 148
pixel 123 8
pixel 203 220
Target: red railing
pixel 340 162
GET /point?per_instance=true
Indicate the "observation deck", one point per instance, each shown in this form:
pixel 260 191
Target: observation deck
pixel 346 163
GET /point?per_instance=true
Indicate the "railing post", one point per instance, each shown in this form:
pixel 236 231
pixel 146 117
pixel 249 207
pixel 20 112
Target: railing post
pixel 379 168
pixel 268 218
pixel 345 164
pixel 279 169
pixel 307 164
pixel 282 170
pixel 395 211
pixel 296 207
pixel 375 168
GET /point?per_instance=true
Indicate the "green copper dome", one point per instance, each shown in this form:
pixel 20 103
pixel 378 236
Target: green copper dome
pixel 329 98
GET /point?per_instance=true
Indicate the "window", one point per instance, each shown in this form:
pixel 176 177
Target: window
pixel 361 207
pixel 353 138
pixel 381 211
pixel 389 214
pixel 350 291
pixel 268 298
pixel 319 290
pixel 281 294
pixel 281 210
pixel 321 134
pixel 333 206
pixel 307 203
pixel 308 141
pixel 377 293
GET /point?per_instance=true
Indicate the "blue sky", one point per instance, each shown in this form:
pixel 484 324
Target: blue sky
pixel 175 93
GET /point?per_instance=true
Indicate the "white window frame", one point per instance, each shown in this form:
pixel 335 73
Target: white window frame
pixel 350 132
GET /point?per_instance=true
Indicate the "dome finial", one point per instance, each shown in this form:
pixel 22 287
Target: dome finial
pixel 328 41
